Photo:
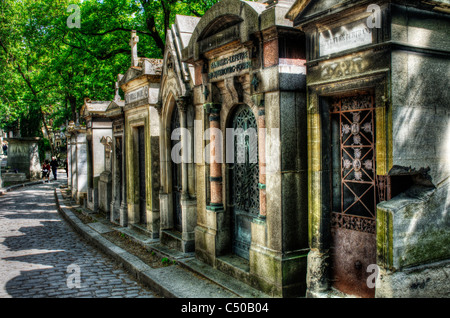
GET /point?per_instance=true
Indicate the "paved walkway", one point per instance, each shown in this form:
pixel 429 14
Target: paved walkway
pixel 41 256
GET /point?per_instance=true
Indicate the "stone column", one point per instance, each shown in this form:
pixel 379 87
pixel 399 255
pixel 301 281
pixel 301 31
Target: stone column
pixel 73 166
pixel 123 211
pixel 181 105
pixel 114 172
pixel 81 166
pixel 262 159
pixel 215 165
pixel 69 162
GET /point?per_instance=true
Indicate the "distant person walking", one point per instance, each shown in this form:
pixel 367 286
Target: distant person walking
pixel 66 168
pixel 5 149
pixel 54 165
pixel 46 170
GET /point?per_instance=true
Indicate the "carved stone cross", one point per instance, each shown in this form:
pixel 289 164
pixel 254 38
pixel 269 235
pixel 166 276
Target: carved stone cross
pixel 133 43
pixel 117 95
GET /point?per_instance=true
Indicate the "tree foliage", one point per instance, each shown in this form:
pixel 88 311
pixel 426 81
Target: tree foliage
pixel 47 68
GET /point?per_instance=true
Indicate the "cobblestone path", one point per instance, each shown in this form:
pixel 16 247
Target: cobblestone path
pixel 41 256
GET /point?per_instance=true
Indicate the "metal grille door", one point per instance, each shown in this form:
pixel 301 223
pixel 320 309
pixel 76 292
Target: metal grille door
pixel 354 192
pixel 244 177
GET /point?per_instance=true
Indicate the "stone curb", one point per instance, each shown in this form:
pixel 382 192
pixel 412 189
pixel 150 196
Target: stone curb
pixel 179 282
pixel 3 191
pixel 141 271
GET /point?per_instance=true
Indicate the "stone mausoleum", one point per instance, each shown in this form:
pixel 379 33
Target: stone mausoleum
pixel 141 84
pixel 299 146
pixel 77 161
pixel 177 194
pixel 116 146
pixel 378 146
pixel 98 126
pixel 251 187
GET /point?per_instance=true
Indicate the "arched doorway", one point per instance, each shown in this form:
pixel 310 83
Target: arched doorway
pixel 243 179
pixel 176 174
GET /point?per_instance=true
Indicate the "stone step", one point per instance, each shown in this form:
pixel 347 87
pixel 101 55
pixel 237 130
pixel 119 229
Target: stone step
pixel 190 263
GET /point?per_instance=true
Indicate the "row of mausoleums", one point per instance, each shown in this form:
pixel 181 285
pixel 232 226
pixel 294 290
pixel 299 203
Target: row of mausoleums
pixel 302 147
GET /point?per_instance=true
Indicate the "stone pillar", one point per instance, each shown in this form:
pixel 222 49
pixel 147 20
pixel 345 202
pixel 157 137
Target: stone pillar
pixel 69 162
pixel 262 159
pixel 81 169
pixel 215 159
pixel 73 166
pixel 181 105
pixel 123 212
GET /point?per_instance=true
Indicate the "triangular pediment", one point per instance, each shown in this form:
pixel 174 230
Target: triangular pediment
pixel 131 74
pixel 304 9
pixel 115 105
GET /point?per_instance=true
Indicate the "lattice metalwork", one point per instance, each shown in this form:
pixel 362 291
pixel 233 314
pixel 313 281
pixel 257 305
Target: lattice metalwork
pixel 358 179
pixel 245 174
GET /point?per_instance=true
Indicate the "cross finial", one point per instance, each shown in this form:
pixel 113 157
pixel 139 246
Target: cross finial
pixel 116 95
pixel 133 43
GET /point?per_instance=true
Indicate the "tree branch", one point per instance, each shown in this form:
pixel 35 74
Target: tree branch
pixel 113 30
pixel 97 56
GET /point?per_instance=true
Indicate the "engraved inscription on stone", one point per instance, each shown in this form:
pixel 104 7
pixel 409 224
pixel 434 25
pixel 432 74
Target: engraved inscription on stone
pixel 232 64
pixel 346 37
pixel 19 150
pixel 140 93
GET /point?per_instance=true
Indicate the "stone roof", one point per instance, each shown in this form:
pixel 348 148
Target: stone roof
pixel 303 5
pixel 93 107
pixel 146 67
pixel 230 20
pixel 178 37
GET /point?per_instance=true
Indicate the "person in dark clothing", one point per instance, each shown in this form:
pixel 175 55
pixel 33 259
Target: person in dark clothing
pixel 45 170
pixel 54 165
pixel 66 168
pixel 5 149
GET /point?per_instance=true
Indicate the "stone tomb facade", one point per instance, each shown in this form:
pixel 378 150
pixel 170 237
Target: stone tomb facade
pixel 118 209
pixel 105 181
pixel 23 155
pixel 98 126
pixel 177 194
pixel 77 161
pixel 377 146
pixel 141 85
pixel 251 189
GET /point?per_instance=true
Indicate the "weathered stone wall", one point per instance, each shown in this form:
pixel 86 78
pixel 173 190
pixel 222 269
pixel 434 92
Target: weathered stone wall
pixel 23 155
pixel 421 124
pixel 413 227
pixel 428 281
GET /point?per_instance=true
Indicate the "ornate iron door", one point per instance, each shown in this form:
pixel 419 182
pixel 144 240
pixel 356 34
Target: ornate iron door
pixel 354 191
pixel 141 164
pixel 176 175
pixel 244 177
